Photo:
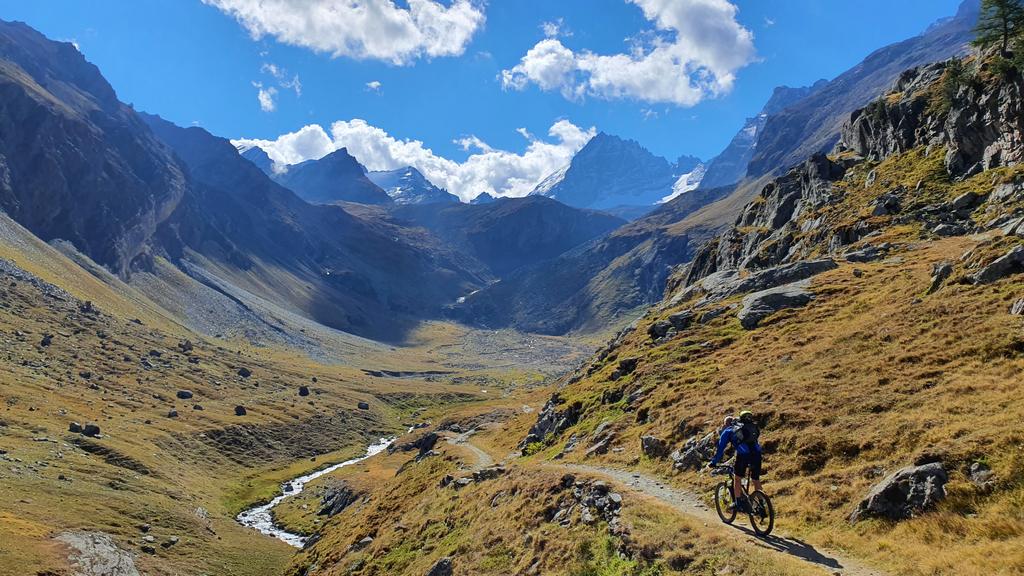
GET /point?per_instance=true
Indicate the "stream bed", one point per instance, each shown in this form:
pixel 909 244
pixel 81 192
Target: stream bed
pixel 261 518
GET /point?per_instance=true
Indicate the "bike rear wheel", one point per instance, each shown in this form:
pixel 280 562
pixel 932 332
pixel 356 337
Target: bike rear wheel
pixel 762 514
pixel 724 503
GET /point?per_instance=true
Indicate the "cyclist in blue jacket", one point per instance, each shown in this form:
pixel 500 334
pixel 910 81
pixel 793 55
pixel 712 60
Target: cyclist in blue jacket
pixel 743 435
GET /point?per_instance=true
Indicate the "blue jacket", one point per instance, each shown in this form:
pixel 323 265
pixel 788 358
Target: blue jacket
pixel 741 449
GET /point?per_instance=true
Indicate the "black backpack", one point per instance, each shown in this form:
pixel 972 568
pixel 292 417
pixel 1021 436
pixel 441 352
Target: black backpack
pixel 746 433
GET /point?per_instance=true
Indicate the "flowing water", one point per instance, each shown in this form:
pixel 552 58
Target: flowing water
pixel 261 518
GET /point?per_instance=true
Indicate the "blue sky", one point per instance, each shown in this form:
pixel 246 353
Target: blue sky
pixel 440 78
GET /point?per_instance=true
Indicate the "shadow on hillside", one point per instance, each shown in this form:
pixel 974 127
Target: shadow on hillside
pixel 793 547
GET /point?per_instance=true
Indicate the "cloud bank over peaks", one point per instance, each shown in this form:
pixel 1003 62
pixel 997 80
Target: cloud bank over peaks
pixel 693 53
pixel 362 29
pixel 498 172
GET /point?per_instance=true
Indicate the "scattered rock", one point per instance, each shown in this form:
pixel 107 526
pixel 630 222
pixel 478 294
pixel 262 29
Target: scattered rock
pixel 760 305
pixel 681 320
pixel 489 473
pixel 462 482
pixel 85 374
pixel 653 446
pixel 366 541
pixel 1017 309
pixel 244 372
pixel 965 200
pixel 47 340
pixel 442 567
pixel 904 494
pixel 185 346
pixel 885 205
pixel 147 549
pixel 303 391
pixel 240 411
pixel 695 452
pixel 867 253
pixel 940 272
pixel 660 329
pixel 172 413
pixel 184 394
pixel 363 406
pixel 172 541
pixel 75 428
pixel 1010 263
pixel 551 420
pixel 91 430
pixel 981 476
pixel 946 230
pixel 336 499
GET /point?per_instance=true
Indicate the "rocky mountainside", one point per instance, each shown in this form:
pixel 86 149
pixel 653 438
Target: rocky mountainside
pixel 482 198
pixel 509 233
pixel 76 163
pixel 337 177
pixel 827 310
pixel 812 125
pixel 126 190
pixel 409 186
pixel 730 166
pixel 599 283
pixel 610 172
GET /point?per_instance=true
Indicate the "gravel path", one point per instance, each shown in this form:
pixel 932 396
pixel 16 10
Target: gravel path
pixel 691 505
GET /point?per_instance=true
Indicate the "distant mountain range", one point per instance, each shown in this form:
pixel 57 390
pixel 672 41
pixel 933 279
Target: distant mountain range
pixel 611 173
pixel 409 186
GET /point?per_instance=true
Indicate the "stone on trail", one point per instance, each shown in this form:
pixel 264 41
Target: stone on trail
pixel 904 494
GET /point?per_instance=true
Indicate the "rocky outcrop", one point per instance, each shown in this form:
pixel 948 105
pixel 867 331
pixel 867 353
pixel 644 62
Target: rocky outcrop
pixel 760 305
pixel 653 447
pixel 442 567
pixel 336 499
pixel 904 494
pixel 1010 263
pixel 982 124
pixel 552 420
pixel 695 452
pixel 766 234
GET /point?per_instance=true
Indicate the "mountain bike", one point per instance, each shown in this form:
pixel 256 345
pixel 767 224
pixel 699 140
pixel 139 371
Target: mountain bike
pixel 759 506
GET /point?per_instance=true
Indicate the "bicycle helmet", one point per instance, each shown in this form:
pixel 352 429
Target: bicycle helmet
pixel 746 415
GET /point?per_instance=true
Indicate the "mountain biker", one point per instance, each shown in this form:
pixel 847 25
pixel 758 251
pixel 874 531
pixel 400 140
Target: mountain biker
pixel 743 435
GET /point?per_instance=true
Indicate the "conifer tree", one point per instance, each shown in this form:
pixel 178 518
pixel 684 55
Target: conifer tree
pixel 1000 22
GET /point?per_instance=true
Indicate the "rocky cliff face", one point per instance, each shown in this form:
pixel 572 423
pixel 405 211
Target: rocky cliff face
pixel 979 121
pixel 75 163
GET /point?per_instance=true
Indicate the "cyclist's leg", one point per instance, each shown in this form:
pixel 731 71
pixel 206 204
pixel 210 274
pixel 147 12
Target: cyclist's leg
pixel 740 470
pixel 755 471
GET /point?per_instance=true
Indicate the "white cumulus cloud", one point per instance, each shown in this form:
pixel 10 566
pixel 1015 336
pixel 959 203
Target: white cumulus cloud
pixel 374 85
pixel 693 53
pixel 266 96
pixel 499 172
pixel 362 29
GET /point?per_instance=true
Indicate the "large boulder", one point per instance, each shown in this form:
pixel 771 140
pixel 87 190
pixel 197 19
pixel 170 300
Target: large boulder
pixel 1010 263
pixel 695 452
pixel 336 499
pixel 551 420
pixel 442 567
pixel 904 494
pixel 653 447
pixel 760 305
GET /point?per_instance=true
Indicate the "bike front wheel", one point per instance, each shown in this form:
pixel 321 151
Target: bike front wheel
pixel 724 503
pixel 762 514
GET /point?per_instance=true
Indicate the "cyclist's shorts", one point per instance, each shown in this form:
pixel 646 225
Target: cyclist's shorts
pixel 752 461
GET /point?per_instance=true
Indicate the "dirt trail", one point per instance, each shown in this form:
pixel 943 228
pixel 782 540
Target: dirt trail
pixel 483 459
pixel 691 505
